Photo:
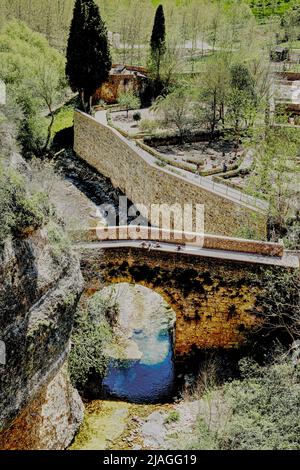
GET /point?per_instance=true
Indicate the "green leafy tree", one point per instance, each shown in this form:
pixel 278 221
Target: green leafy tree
pixel 274 176
pixel 280 303
pixel 88 55
pixel 241 100
pixel 48 86
pixel 211 93
pixel 291 23
pixel 34 74
pixel 129 101
pixel 176 109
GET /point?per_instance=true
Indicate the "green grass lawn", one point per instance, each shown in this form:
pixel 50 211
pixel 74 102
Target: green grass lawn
pixel 294 44
pixel 266 8
pixel 63 119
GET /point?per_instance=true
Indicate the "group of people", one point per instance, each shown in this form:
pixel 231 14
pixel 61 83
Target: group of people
pixel 150 245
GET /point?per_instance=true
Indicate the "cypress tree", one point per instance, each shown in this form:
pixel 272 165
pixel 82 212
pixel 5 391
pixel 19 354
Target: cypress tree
pixel 158 40
pixel 88 56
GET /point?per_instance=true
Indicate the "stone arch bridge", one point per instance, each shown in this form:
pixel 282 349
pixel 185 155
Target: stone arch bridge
pixel 210 285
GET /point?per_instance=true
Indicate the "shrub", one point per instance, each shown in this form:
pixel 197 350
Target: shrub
pixel 160 163
pixel 20 211
pixel 91 337
pixel 265 409
pixel 258 412
pixel 149 125
pixel 172 417
pixel 59 241
pixel 137 116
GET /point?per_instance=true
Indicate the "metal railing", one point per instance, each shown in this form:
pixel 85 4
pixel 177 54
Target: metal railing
pixel 203 181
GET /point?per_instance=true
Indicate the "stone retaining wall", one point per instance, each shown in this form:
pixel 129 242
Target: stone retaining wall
pixel 145 183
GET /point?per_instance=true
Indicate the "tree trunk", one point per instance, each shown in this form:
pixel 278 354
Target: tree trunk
pixel 81 93
pixel 214 118
pixel 237 136
pixel 49 129
pixel 222 114
pixel 89 105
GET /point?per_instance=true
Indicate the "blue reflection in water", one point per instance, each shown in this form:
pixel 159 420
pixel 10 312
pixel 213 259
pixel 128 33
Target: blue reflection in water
pixel 149 379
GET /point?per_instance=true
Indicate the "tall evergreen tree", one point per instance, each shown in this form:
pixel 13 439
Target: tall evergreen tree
pixel 158 41
pixel 88 55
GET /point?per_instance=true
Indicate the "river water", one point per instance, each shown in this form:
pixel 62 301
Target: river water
pixel 143 370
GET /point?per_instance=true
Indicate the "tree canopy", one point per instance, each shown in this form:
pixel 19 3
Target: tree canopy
pixel 88 55
pixel 158 43
pixel 34 75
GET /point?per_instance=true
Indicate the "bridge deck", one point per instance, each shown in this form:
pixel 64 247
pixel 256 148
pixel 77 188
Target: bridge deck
pixel 287 260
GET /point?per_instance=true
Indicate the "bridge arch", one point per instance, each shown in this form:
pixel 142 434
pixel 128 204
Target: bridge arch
pixel 214 300
pixel 141 368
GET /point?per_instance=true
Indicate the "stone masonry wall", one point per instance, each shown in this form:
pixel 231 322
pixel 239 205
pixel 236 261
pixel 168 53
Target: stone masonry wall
pixel 214 300
pixel 145 183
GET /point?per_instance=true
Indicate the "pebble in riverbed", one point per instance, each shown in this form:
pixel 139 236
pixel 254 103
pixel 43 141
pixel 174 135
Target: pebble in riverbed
pixel 153 430
pixel 157 430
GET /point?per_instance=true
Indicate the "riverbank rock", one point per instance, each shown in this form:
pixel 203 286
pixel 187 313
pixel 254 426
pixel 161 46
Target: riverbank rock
pixel 40 283
pixel 153 430
pixel 49 421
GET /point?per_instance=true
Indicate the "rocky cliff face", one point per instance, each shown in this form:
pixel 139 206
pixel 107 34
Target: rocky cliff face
pixel 39 287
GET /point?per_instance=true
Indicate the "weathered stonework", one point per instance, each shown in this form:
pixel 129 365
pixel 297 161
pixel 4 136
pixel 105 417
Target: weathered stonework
pixel 49 421
pixel 214 300
pixel 39 290
pixel 145 183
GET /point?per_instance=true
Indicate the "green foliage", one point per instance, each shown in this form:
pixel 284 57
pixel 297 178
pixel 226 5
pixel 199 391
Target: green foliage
pixel 258 412
pixel 32 129
pixel 63 119
pixel 91 337
pixel 137 116
pixel 158 38
pixel 267 8
pixel 59 241
pixel 265 409
pixel 20 210
pixel 241 99
pixel 280 303
pixel 129 101
pixel 176 109
pixel 34 75
pixel 149 125
pixel 172 417
pixel 275 173
pixel 291 23
pixel 24 53
pixel 211 92
pixel 88 55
